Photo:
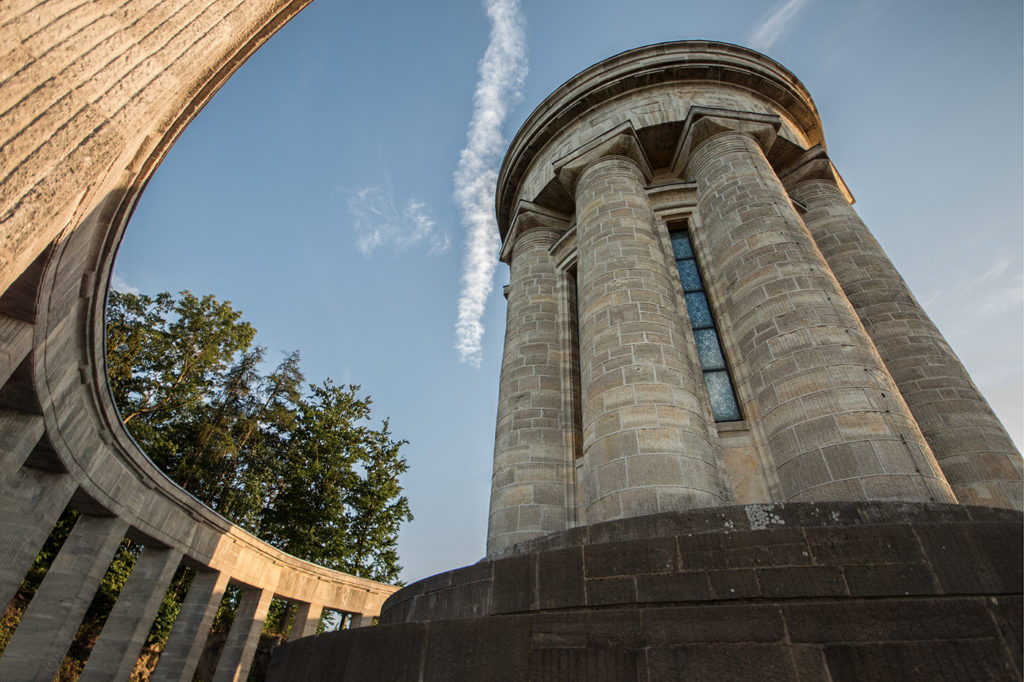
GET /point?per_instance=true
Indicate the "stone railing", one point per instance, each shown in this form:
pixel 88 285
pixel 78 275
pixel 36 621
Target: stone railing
pixel 93 97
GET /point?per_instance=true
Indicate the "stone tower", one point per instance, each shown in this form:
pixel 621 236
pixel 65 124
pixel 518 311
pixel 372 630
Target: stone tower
pixel 697 316
pixel 730 443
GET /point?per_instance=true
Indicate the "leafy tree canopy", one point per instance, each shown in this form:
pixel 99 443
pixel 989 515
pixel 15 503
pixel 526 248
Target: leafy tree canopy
pixel 302 468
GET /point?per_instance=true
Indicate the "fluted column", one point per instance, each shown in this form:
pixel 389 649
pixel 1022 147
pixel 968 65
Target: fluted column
pixel 836 426
pixel 181 654
pixel 243 636
pixel 970 444
pixel 646 446
pixel 120 642
pixel 51 620
pixel 532 460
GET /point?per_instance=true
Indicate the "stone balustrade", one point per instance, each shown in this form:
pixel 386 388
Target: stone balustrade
pixel 93 97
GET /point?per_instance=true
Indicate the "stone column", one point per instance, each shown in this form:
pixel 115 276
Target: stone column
pixel 19 433
pixel 125 631
pixel 361 620
pixel 970 444
pixel 836 426
pixel 307 619
pixel 532 460
pixel 51 620
pixel 31 501
pixel 244 635
pixel 646 441
pixel 181 654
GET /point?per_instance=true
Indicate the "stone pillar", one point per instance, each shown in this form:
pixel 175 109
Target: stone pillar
pixel 532 460
pixel 836 426
pixel 51 620
pixel 646 441
pixel 31 501
pixel 19 433
pixel 361 620
pixel 244 635
pixel 181 654
pixel 970 444
pixel 307 619
pixel 125 631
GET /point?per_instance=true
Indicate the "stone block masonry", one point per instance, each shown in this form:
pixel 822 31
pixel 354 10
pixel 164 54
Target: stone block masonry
pixel 845 390
pixel 801 591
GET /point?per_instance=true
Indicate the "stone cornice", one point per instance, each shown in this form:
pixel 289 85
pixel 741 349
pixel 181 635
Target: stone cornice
pixel 814 164
pixel 703 123
pixel 653 65
pixel 619 141
pixel 529 216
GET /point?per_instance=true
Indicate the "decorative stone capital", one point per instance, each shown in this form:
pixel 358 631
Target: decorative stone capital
pixel 703 123
pixel 528 217
pixel 620 141
pixel 813 164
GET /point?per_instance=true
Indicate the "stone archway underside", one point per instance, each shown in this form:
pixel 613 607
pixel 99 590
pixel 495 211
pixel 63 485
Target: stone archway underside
pixel 94 94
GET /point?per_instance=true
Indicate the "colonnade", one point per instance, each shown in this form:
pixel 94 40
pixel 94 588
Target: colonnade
pixel 50 622
pixel 846 389
pixel 94 96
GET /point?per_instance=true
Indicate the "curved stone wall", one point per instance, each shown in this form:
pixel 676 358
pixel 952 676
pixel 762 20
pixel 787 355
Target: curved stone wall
pixel 94 95
pixel 836 591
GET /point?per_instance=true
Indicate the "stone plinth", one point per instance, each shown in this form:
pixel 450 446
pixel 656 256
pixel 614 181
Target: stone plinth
pixel 816 591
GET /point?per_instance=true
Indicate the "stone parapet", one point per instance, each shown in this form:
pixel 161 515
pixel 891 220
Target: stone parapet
pixel 839 591
pixel 734 553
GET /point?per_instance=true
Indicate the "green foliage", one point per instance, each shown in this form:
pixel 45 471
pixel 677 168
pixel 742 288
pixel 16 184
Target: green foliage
pixel 305 471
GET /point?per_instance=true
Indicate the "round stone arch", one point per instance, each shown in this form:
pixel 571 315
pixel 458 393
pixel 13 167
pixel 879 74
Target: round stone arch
pixel 95 94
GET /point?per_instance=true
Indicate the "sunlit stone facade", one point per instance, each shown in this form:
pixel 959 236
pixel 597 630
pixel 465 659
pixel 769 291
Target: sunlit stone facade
pixel 843 388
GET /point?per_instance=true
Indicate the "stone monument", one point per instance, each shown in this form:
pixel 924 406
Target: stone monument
pixel 730 443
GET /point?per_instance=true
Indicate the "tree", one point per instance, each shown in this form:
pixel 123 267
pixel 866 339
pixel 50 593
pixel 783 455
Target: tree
pixel 307 472
pixel 339 503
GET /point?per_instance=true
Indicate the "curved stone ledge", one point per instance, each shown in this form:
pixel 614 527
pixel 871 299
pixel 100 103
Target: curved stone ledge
pixel 796 591
pixel 747 553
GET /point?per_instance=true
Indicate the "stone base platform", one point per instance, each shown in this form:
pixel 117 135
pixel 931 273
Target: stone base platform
pixel 830 591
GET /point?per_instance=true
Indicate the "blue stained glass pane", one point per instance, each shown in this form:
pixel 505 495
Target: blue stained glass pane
pixel 708 350
pixel 688 275
pixel 681 245
pixel 700 313
pixel 723 402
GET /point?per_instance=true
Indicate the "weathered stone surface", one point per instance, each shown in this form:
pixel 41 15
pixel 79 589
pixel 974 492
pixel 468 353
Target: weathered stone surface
pixel 817 593
pixel 844 389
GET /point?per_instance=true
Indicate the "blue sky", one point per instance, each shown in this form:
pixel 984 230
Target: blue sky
pixel 318 191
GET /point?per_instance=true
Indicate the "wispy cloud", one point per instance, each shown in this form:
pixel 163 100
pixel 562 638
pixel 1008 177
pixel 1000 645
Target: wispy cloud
pixel 502 72
pixel 993 292
pixel 767 33
pixel 378 222
pixel 1004 288
pixel 121 284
